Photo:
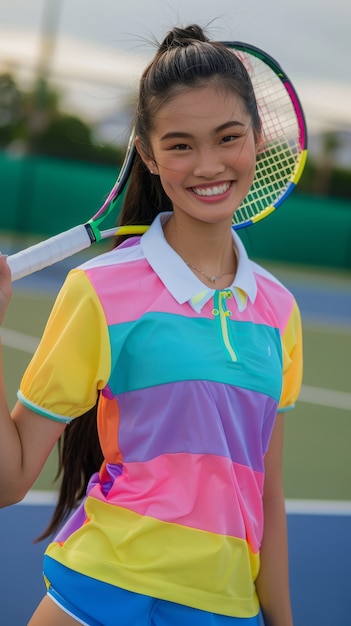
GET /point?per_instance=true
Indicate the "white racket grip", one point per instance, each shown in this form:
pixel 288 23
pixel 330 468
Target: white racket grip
pixel 48 252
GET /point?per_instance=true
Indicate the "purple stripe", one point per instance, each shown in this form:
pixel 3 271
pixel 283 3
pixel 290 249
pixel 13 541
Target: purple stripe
pixel 73 523
pixel 78 518
pixel 198 418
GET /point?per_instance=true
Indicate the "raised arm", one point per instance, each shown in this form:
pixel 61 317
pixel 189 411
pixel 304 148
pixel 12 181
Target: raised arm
pixel 26 438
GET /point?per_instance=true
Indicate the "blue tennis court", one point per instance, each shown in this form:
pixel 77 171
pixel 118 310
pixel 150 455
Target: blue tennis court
pixel 320 553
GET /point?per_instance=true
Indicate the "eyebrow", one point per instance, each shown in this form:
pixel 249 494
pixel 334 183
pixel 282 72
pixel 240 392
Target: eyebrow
pixel 179 134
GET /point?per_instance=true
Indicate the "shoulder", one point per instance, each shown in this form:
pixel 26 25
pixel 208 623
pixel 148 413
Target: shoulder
pixel 268 283
pixel 117 277
pixel 130 250
pixel 275 296
pixel 115 267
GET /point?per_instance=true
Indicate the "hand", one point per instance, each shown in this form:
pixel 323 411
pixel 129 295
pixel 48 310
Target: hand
pixel 5 286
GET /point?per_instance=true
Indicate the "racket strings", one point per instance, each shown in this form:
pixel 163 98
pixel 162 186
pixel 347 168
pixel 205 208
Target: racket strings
pixel 279 154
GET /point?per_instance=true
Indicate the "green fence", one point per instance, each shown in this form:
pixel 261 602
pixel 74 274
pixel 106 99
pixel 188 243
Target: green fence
pixel 44 196
pixel 306 230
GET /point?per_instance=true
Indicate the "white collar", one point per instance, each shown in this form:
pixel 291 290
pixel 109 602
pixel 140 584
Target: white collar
pixel 178 278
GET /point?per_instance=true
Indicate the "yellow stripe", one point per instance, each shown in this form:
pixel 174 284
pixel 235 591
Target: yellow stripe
pixel 179 564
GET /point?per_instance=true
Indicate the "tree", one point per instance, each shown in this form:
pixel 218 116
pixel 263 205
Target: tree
pixel 36 119
pixel 11 109
pixel 325 164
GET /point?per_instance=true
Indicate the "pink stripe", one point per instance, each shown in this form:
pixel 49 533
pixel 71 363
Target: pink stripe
pixel 206 492
pixel 141 291
pixel 263 311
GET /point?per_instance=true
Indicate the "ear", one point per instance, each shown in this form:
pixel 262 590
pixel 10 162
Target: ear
pixel 259 141
pixel 145 157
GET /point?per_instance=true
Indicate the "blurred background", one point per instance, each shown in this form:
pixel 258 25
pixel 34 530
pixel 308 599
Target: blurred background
pixel 68 76
pixel 69 71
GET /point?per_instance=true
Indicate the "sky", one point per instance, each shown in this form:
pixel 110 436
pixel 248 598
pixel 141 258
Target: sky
pixel 309 38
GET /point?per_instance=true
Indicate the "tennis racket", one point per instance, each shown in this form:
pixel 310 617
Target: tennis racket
pixel 280 163
pixel 283 150
pixel 79 237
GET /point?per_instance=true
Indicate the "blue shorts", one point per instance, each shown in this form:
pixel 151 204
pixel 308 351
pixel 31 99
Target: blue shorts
pixel 95 603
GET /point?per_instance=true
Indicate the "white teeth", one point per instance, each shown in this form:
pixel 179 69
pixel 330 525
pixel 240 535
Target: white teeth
pixel 211 191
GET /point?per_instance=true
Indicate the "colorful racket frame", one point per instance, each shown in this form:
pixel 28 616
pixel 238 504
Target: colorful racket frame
pixel 283 150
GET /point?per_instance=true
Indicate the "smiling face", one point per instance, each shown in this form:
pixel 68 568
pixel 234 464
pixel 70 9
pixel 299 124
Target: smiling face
pixel 203 147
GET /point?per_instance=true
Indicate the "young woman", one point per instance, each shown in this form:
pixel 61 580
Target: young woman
pixel 190 351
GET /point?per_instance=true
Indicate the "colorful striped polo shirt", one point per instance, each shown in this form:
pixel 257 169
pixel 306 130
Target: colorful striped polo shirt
pixel 190 382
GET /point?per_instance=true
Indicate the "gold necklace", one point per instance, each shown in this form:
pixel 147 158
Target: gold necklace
pixel 211 279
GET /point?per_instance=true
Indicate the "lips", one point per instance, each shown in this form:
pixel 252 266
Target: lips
pixel 214 190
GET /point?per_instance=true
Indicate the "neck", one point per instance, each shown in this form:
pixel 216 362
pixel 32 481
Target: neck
pixel 207 249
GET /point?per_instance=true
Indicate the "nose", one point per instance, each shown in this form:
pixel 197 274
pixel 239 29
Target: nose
pixel 208 163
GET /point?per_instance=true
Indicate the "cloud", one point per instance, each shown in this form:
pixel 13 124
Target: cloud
pixel 96 79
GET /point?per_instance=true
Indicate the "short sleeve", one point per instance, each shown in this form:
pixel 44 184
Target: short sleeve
pixel 292 360
pixel 73 360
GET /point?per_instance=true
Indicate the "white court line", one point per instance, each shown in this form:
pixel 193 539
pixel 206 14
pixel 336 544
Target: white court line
pixel 325 397
pixel 318 507
pixel 38 497
pixel 18 341
pixel 293 507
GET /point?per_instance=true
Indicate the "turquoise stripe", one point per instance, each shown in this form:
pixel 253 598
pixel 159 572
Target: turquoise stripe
pixel 163 348
pixel 37 409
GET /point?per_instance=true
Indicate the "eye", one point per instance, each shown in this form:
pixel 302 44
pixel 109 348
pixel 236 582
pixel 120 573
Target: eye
pixel 180 146
pixel 229 138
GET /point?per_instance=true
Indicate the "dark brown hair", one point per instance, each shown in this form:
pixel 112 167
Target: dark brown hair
pixel 79 456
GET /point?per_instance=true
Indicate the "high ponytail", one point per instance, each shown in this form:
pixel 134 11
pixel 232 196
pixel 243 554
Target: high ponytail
pixel 182 36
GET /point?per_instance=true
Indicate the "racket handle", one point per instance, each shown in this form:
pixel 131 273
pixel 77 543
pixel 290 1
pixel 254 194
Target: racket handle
pixel 49 252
